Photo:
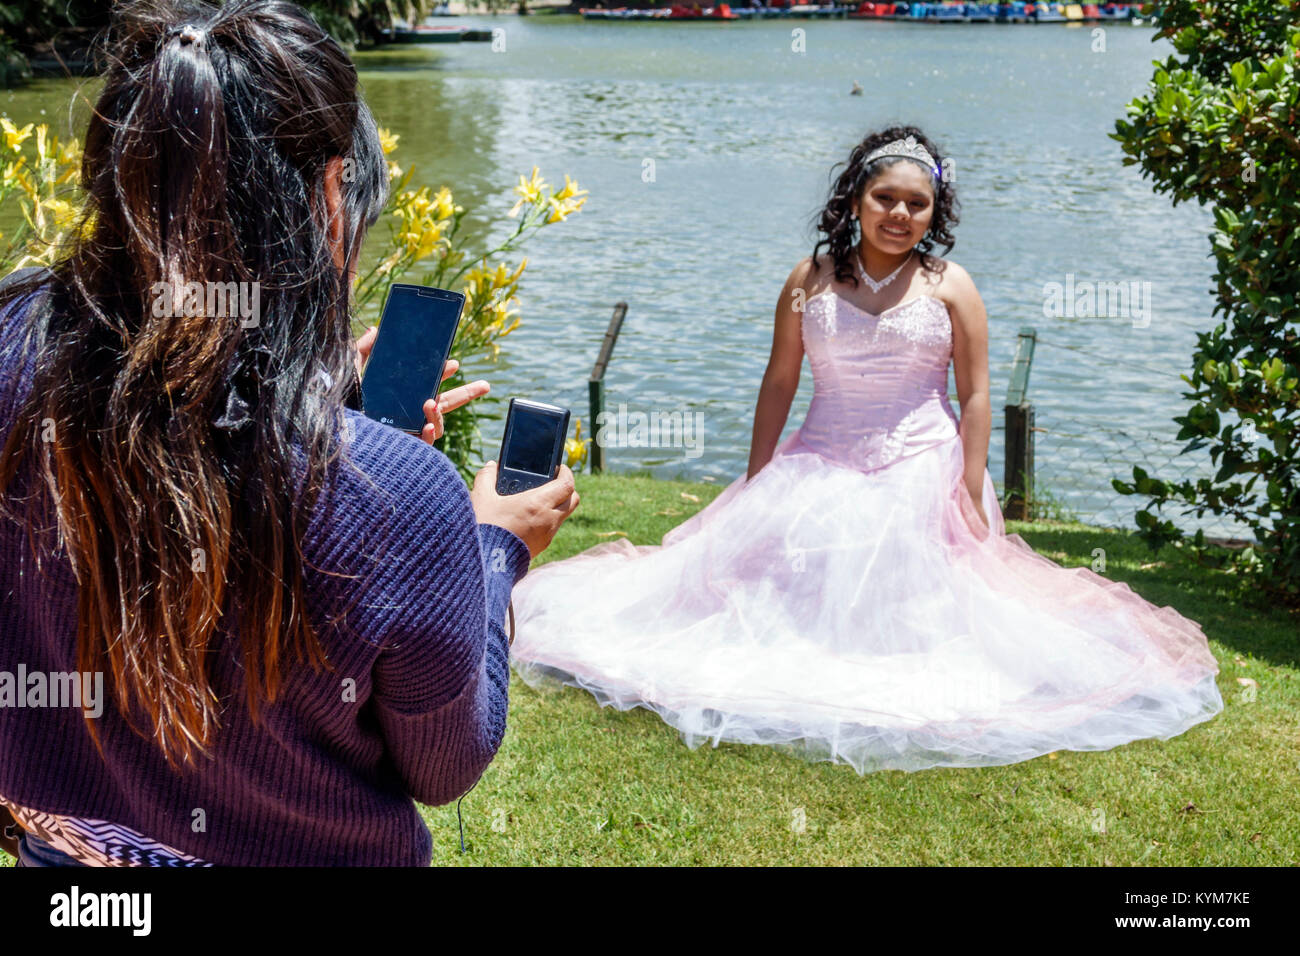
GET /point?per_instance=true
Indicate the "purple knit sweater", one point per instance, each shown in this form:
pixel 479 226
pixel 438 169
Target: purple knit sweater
pixel 329 776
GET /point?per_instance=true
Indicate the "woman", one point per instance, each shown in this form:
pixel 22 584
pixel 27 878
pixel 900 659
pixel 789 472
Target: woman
pixel 855 595
pixel 297 611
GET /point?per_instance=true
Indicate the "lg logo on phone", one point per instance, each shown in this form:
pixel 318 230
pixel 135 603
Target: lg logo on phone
pixel 387 421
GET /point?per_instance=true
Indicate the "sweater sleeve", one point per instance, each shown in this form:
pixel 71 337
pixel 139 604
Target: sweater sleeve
pixel 17 349
pixel 442 674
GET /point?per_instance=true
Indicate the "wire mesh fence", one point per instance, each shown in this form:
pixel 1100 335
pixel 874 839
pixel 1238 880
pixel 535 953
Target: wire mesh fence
pixel 1077 462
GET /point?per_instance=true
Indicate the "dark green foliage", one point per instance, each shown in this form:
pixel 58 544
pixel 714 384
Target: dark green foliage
pixel 1218 126
pixel 364 22
pixel 29 26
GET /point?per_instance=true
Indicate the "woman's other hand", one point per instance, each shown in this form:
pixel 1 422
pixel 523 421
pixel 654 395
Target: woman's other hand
pixel 365 345
pixel 534 515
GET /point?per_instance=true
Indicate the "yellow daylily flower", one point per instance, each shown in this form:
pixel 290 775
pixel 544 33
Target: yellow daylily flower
pixel 444 207
pixel 502 313
pixel 575 448
pixel 388 140
pixel 14 137
pixel 423 238
pixel 71 171
pixel 69 154
pixel 420 202
pixel 529 191
pixel 532 187
pixel 570 189
pixel 563 209
pixel 65 213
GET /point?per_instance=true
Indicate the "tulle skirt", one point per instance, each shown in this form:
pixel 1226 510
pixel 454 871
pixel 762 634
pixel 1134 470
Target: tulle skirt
pixel 868 618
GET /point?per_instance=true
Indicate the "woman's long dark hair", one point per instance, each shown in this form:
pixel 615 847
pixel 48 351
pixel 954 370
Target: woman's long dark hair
pixel 180 441
pixel 837 226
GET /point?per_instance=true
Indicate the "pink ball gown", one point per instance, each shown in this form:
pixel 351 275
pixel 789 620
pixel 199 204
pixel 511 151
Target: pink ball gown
pixel 849 603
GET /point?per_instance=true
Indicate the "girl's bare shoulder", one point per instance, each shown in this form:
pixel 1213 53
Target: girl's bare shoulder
pixel 951 283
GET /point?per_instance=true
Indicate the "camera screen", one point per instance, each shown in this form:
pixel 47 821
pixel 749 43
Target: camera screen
pixel 532 441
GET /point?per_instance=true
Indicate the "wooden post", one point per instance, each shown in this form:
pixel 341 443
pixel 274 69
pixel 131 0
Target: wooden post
pixel 596 385
pixel 1018 474
pixel 596 399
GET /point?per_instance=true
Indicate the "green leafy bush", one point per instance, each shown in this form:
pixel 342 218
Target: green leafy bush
pixel 1218 126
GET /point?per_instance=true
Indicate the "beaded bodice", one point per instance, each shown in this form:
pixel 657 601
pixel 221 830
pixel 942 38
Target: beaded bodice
pixel 880 382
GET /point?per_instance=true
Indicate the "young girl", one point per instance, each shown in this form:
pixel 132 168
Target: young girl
pixel 855 594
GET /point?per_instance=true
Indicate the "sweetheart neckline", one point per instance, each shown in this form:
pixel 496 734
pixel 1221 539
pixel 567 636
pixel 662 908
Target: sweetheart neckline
pixel 892 308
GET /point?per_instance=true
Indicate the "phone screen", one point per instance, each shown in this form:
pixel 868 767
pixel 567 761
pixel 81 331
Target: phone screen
pixel 405 368
pixel 532 441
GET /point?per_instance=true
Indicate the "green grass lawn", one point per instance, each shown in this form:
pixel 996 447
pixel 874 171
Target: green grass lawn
pixel 575 783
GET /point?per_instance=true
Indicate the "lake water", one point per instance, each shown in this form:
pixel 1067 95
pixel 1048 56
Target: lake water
pixel 742 131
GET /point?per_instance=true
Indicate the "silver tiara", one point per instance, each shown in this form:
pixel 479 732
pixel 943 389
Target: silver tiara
pixel 906 149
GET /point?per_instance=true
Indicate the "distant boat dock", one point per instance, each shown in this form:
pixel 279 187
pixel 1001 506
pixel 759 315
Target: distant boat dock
pixel 910 12
pixel 425 33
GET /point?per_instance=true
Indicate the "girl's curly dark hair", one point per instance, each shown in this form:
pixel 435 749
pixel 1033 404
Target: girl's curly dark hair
pixel 837 225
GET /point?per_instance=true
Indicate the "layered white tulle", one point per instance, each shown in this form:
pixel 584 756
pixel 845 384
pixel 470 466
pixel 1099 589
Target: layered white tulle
pixel 849 603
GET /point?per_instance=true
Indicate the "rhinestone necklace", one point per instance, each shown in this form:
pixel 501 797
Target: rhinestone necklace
pixel 872 283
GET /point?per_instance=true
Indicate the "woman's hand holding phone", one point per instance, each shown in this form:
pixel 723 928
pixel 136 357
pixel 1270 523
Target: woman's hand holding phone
pixel 534 515
pixel 434 409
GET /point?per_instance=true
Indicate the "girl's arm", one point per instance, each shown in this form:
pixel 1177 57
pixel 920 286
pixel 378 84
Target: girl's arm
pixel 783 366
pixel 971 371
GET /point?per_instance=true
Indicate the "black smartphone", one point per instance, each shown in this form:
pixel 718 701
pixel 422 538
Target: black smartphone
pixel 532 446
pixel 416 331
